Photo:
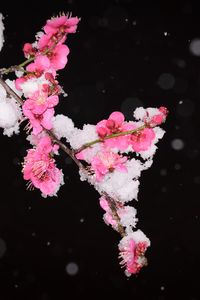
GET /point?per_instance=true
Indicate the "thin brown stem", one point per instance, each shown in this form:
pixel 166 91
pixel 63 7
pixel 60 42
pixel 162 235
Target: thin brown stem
pixel 10 92
pixel 71 153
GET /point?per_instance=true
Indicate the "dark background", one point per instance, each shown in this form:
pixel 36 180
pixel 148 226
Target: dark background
pixel 125 54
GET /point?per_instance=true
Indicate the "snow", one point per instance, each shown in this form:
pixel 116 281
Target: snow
pixel 127 216
pixel 137 236
pixel 81 137
pixel 63 127
pixel 1 31
pixel 32 85
pixel 8 117
pixel 139 113
pixel 10 111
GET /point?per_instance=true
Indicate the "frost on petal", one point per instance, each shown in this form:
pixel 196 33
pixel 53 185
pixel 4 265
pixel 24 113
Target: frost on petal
pixel 1 31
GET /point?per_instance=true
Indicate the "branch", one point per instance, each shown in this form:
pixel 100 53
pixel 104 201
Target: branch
pixel 110 136
pixel 27 61
pixel 71 153
pixel 10 91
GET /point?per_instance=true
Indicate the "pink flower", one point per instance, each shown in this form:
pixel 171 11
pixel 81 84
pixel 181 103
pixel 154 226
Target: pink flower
pixel 108 217
pixel 39 109
pixel 104 204
pixel 38 121
pixel 58 57
pixel 39 101
pixel 28 50
pixel 62 23
pixel 142 140
pixel 40 64
pixel 105 162
pixel 109 220
pixel 45 41
pixel 18 82
pixel 39 168
pixel 159 118
pixel 113 125
pixel 132 255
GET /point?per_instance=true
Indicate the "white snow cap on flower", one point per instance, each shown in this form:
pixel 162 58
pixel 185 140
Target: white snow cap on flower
pixel 119 186
pixel 152 111
pixel 123 186
pixel 139 113
pixel 63 126
pixel 32 85
pixel 127 216
pixel 1 31
pixel 137 236
pixel 159 132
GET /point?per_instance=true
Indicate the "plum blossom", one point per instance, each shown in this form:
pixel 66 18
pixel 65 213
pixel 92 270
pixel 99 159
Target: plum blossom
pixel 58 57
pixel 108 216
pixel 62 23
pixel 40 64
pixel 39 102
pixel 39 109
pixel 114 124
pixel 39 168
pixel 142 140
pixel 29 50
pixel 151 116
pixel 132 250
pixel 105 162
pixel 38 122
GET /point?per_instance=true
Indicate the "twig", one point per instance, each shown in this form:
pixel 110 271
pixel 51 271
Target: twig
pixel 110 136
pixel 10 92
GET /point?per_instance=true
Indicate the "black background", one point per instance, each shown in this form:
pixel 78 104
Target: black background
pixel 119 60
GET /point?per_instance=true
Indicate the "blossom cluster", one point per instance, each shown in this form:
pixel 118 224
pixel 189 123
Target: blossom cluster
pixel 115 172
pixel 112 153
pixel 40 88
